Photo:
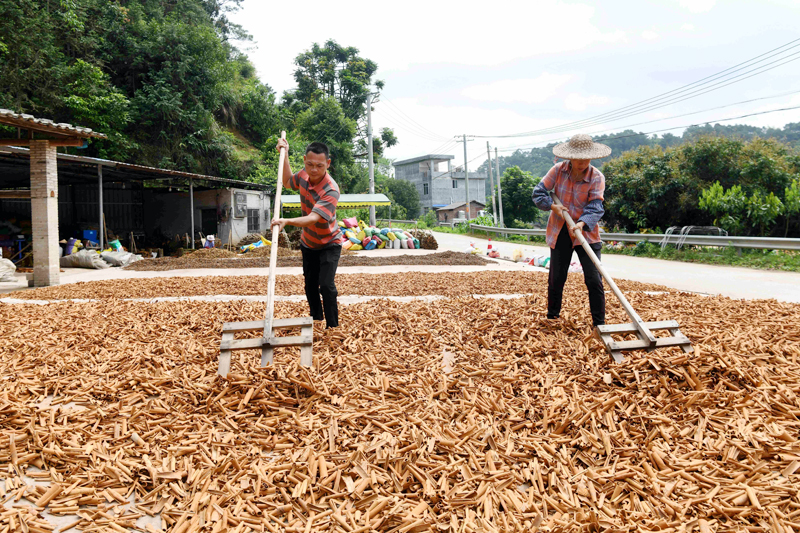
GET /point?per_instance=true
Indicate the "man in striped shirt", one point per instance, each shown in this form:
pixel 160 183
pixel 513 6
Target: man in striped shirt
pixel 321 239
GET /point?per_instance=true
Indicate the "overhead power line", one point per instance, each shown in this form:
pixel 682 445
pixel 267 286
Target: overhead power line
pixel 663 130
pixel 686 92
pixel 423 128
pixel 687 114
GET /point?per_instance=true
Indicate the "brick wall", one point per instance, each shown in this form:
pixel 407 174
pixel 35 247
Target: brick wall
pixel 44 213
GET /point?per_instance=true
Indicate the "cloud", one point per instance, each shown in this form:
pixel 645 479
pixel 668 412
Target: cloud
pixel 649 35
pixel 697 6
pixel 576 102
pixel 528 91
pixel 687 27
pixel 422 33
pixel 447 121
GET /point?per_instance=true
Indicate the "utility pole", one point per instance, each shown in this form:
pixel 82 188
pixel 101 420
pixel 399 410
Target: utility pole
pixel 371 164
pixel 491 182
pixel 466 175
pixel 499 187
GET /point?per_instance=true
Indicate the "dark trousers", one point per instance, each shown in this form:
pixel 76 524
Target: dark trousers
pixel 319 270
pixel 560 257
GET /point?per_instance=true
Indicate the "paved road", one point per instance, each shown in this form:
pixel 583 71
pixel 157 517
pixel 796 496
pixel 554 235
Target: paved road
pixel 709 279
pixel 734 282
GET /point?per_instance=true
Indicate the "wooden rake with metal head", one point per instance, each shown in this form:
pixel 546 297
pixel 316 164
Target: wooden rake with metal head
pixel 268 341
pixel 643 330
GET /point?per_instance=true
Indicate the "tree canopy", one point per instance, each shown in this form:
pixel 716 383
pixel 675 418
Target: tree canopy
pixel 166 83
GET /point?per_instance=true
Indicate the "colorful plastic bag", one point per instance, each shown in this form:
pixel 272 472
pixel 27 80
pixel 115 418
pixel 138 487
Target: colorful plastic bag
pixel 350 222
pixel 356 247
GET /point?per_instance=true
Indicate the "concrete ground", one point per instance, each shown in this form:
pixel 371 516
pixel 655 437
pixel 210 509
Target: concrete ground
pixel 734 282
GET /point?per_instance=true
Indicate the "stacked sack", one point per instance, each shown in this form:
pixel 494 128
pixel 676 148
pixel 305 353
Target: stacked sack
pixel 360 236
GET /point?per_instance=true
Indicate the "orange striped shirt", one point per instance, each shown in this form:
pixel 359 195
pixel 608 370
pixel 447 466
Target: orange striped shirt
pixel 321 199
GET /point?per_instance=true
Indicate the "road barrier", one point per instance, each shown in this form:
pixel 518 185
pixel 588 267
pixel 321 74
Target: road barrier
pixel 761 243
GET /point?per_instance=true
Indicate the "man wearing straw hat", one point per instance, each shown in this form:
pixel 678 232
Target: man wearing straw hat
pixel 580 188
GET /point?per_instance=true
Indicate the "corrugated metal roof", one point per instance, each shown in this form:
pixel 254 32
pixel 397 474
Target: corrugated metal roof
pixel 345 200
pixel 29 122
pixel 130 172
pixel 435 157
pixel 459 204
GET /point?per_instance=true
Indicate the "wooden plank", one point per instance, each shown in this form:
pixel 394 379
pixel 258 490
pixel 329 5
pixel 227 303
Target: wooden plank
pixel 616 355
pixel 53 142
pixel 15 194
pixel 644 345
pixel 225 356
pixel 275 342
pixel 267 355
pixel 300 340
pixel 278 323
pixel 631 328
pixel 307 351
pixel 676 332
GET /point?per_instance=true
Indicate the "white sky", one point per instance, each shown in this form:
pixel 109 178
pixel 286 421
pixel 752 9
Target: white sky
pixel 509 67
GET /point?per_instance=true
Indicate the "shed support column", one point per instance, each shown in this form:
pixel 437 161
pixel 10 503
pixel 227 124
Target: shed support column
pixel 44 213
pixel 191 206
pixel 102 231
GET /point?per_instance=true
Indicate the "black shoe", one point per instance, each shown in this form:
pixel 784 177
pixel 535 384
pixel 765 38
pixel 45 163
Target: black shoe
pixel 551 317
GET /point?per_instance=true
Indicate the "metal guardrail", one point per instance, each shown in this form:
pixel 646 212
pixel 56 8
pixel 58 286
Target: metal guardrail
pixel 395 221
pixel 762 243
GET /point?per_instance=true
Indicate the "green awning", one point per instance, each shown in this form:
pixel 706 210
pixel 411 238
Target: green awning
pixel 345 200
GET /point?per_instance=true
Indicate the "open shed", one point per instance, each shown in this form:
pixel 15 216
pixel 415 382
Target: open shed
pixel 65 195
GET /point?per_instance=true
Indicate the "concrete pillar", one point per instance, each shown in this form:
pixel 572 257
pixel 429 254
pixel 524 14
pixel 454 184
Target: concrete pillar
pixel 44 213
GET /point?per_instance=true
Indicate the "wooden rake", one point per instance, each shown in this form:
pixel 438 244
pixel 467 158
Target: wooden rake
pixel 268 342
pixel 643 330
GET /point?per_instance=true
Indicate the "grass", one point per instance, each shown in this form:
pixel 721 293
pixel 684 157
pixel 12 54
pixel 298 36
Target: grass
pixel 761 259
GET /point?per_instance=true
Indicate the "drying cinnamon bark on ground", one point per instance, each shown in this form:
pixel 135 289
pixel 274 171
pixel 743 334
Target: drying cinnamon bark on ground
pixel 389 284
pixel 291 258
pixel 459 415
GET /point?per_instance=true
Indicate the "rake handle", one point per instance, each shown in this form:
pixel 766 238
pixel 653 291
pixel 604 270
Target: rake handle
pixel 644 332
pixel 273 251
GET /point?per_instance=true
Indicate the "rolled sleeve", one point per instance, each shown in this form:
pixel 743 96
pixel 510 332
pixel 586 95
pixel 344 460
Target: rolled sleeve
pixel 597 188
pixel 592 213
pixel 541 197
pixel 541 193
pixel 326 206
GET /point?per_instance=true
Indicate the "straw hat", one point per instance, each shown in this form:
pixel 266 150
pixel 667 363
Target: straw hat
pixel 581 146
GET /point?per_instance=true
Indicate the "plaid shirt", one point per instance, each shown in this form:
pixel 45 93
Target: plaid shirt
pixel 575 196
pixel 321 199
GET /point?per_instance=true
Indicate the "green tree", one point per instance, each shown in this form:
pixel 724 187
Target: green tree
pixel 762 210
pixel 95 103
pixel 405 194
pixel 791 204
pixel 518 207
pixel 326 120
pixel 335 71
pixel 729 208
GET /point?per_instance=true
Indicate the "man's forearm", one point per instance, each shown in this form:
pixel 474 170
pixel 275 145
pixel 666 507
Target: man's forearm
pixel 304 222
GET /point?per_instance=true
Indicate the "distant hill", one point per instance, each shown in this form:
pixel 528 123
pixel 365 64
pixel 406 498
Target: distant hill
pixel 539 160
